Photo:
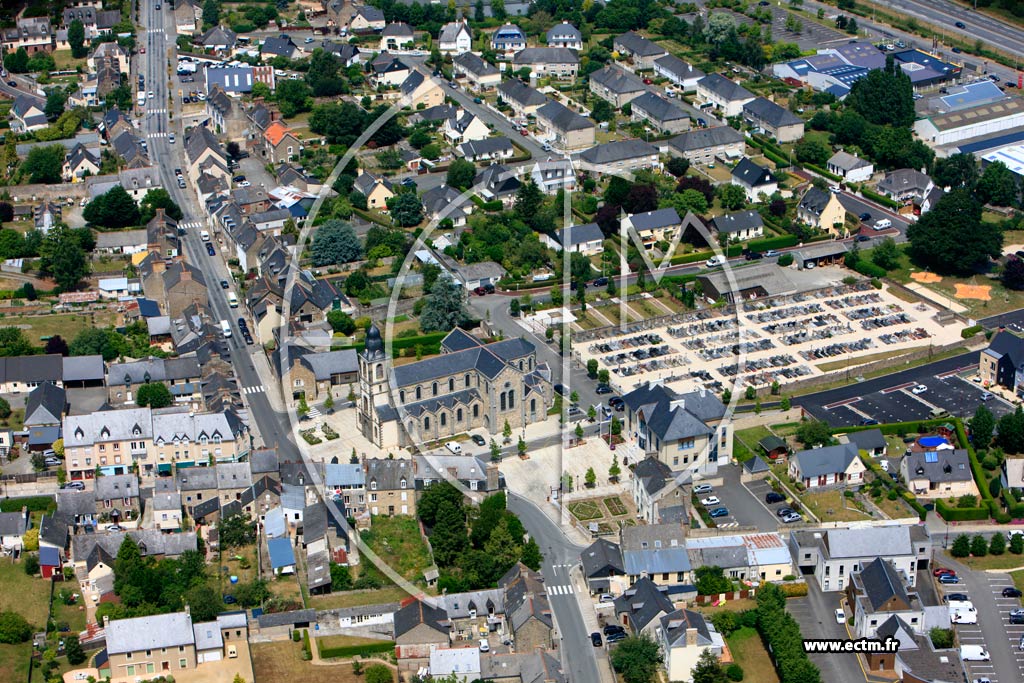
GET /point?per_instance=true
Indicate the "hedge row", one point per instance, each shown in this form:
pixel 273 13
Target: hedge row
pixel 34 504
pixel 868 269
pixel 781 633
pixel 880 199
pixel 428 342
pixel 731 251
pixel 822 172
pixel 955 514
pixel 969 332
pixel 794 590
pixel 1015 509
pixel 780 242
pixel 354 650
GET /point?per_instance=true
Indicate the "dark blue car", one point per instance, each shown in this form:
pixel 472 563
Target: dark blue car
pixel 719 512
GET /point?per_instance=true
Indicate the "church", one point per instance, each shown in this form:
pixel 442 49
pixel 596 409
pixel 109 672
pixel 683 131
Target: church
pixel 470 385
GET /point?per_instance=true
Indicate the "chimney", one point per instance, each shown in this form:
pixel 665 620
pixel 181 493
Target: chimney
pixel 691 637
pixel 106 620
pixel 159 266
pixel 188 610
pixel 492 476
pixel 677 403
pixel 186 275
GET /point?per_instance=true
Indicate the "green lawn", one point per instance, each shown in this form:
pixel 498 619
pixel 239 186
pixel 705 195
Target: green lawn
pixel 585 510
pixel 397 540
pixel 828 507
pixel 750 437
pixel 1005 561
pixel 749 652
pixel 67 325
pixel 28 596
pixel 1018 578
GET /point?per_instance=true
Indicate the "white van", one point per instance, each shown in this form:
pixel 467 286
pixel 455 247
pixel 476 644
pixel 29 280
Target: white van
pixel 974 653
pixel 715 261
pixel 205 235
pixel 225 329
pixel 232 300
pixel 883 224
pixel 454 446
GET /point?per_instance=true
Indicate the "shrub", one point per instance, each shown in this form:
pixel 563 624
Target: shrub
pixel 734 672
pixel 354 650
pixel 942 638
pixel 785 259
pixel 31 565
pixel 969 332
pixel 794 590
pixel 14 628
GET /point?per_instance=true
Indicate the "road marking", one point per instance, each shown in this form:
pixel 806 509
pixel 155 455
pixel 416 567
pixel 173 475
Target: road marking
pixel 560 590
pixel 839 404
pixel 728 525
pixel 252 390
pixel 898 387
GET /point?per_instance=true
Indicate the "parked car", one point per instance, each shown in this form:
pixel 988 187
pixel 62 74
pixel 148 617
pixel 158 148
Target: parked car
pixel 1017 616
pixel 753 256
pixel 52 462
pixel 613 628
pixel 603 389
pixel 600 282
pixel 719 512
pixel 770 253
pixel 605 597
pixel 960 24
pixel 595 638
pixel 840 616
pixel 710 500
pixel 478 440
pixel 617 403
pixel 955 597
pixel 774 497
pixel 782 512
pixel 210 250
pixel 703 488
pixel 484 645
pixel 864 217
pixel 560 389
pixel 1010 592
pixel 794 517
pixel 919 389
pixel 224 284
pixel 949 578
pixel 715 261
pixel 616 637
pixel 939 571
pixel 986 396
pixel 73 486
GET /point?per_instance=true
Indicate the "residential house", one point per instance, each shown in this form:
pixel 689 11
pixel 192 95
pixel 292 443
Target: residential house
pixel 176 286
pixel 659 113
pixel 280 143
pixel 13 526
pixel 704 146
pixel 166 510
pixel 79 163
pixel 822 209
pixel 906 186
pixel 879 591
pixel 117 498
pixel 282 556
pixel 418 92
pixel 656 491
pixel 758 556
pixel 552 175
pixel 678 72
pixel 488 150
pixel 180 375
pixel 45 406
pixel 317 375
pixel 218 39
pixel 171 643
pixel 941 473
pixel 237 80
pixel 24 373
pixel 565 35
pixel 348 54
pixel 725 95
pixel 555 62
pixel 773 120
pixel 602 566
pixel 871 441
pixel 388 71
pixel 641 607
pixel 396 36
pixel 187 17
pixel 346 483
pixel 27 115
pixel 739 226
pixel 829 466
pixel 106 51
pixel 618 156
pixel 222 113
pixel 279 46
pixel 508 39
pixel 46 215
pixel 656 552
pixel 108 441
pixel 376 190
pixel 639 50
pixel 524 100
pixel 684 636
pixel 205 153
pixel 390 487
pixel 653 227
pixel 455 38
pixel 584 239
pixel 472 276
pixel 831 555
pixel 755 180
pixel 497 183
pixel 419 628
pixel 32 33
pixel 53 536
pixel 465 126
pixel 479 74
pixel 1002 362
pixel 685 431
pixel 456 664
pixel 564 127
pixel 616 85
pixel 198 489
pixel 471 472
pixel 78 508
pixel 850 167
pixel 367 20
pixel 527 610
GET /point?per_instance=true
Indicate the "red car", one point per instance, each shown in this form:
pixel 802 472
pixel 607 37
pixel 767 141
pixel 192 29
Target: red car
pixel 648 81
pixel 142 50
pixel 524 132
pixel 480 291
pixel 942 570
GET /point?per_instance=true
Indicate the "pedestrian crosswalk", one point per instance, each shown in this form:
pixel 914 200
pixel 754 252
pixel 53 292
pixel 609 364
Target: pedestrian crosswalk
pixel 156 111
pixel 190 225
pixel 560 590
pixel 313 413
pixel 153 136
pixel 252 390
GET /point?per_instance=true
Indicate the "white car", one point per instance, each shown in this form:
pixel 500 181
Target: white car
pixel 710 500
pixel 715 261
pixel 840 616
pixel 974 653
pixel 244 183
pixel 150 95
pixel 703 488
pixel 484 645
pixel 919 389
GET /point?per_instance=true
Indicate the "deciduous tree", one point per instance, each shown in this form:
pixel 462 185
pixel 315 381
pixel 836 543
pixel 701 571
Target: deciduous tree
pixel 335 242
pixel 952 239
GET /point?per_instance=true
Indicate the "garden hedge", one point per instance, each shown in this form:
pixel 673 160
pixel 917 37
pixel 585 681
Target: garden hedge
pixel 429 343
pixel 357 650
pixel 879 199
pixel 1015 509
pixel 780 242
pixel 955 514
pixel 822 172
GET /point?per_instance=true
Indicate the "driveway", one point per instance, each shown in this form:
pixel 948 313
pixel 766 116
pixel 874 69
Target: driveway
pixel 816 616
pixel 746 501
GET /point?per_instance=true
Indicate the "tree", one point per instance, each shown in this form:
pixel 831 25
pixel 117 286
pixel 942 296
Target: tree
pixel 886 255
pixel 406 209
pixel 712 580
pixel 211 13
pixel 14 628
pixel 531 555
pixel 335 242
pixel 851 26
pixel 982 426
pixel 502 546
pixel 378 673
pixel 13 342
pixel 708 669
pixel 104 342
pixel 979 546
pixel 998 185
pixel 495 451
pixel 884 97
pixel 72 648
pixel 461 173
pixel 43 164
pixel 55 101
pixel 158 198
pixel 813 433
pixel 732 196
pixel 62 257
pixel 30 540
pixel 1011 431
pixel 677 166
pixel 154 395
pixel 340 321
pixel 322 75
pixel 956 171
pixel 431 499
pixel 637 657
pixel 1012 276
pixel 444 309
pixel 614 471
pixel 236 531
pixel 952 239
pixel 813 151
pixel 997 546
pixel 529 200
pixel 448 536
pixel 602 111
pixel 590 477
pixel 293 97
pixel 114 209
pixel 641 198
pixel 689 200
pixel 204 603
pixel 1017 544
pixel 592 368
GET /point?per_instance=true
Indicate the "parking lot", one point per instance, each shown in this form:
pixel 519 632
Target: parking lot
pixel 761 488
pixel 993 630
pixel 816 616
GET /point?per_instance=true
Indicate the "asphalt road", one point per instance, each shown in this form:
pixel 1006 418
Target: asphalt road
pixel 578 661
pixel 1014 320
pixel 816 616
pixel 977 26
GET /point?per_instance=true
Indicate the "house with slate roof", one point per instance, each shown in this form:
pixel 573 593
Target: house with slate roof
pixel 180 375
pixel 1002 362
pixel 940 473
pixel 616 85
pixel 390 486
pixel 706 145
pixel 657 552
pixel 829 466
pixel 725 95
pixel 79 162
pixel 850 167
pixel 684 431
pixel 656 487
pixel 376 190
pixel 822 209
pixel 420 627
pixel 443 202
pixel 45 406
pixel 831 555
pixel 455 38
pixel 497 183
pixel 316 375
pixel 603 566
pixel 565 128
pixel 584 239
pixel 872 441
pixel 620 155
pixel 639 50
pixel 396 36
pixel 654 226
pixel 681 73
pixel 755 180
pixel 13 526
pixel 508 39
pixel 488 149
pixel 685 636
pixel 641 607
pixel 739 226
pixel 527 610
pixel 171 643
pixel 367 20
pixel 27 115
pixel 473 473
pixel 565 35
pixel 879 592
pixel 524 100
pixel 554 62
pixel 773 120
pixel 479 74
pixel 464 126
pixel 660 113
pixel 418 92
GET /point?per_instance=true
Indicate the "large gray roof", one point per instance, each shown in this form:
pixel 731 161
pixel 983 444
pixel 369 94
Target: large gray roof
pixel 703 138
pixel 881 582
pixel 638 45
pixel 728 90
pixel 750 174
pixel 617 151
pixel 516 91
pixel 763 109
pixel 653 220
pixel 116 486
pixel 489 359
pixel 673 416
pixel 658 108
pixel 643 602
pixel 618 80
pixel 474 64
pixel 738 221
pixel 678 67
pixel 939 466
pixel 108 425
pixel 388 474
pixel 149 633
pixel 601 557
pixel 420 612
pixel 563 118
pixel 676 624
pixel 819 462
pixel 545 55
pixel 885 541
pixel 45 405
pixel 579 234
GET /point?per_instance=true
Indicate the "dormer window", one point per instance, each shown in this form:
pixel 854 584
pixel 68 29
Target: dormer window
pixel 373 485
pixel 402 484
